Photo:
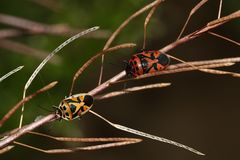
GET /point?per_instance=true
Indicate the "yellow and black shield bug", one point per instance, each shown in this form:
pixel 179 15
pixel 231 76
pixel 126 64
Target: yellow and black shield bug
pixel 74 106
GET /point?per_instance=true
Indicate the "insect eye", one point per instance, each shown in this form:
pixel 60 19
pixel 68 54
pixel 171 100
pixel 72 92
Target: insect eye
pixel 58 112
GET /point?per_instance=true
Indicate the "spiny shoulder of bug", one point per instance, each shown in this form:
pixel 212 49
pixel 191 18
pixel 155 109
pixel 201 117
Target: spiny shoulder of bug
pixel 74 106
pixel 146 61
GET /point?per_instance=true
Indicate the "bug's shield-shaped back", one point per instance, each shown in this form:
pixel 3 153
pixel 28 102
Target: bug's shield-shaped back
pixel 75 106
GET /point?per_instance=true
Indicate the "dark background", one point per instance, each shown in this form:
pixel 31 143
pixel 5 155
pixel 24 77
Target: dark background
pixel 198 109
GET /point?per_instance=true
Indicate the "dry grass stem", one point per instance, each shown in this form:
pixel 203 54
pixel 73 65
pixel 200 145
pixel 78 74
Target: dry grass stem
pixel 143 134
pixel 205 62
pixel 199 5
pixel 125 23
pixel 131 90
pixel 7 133
pixel 88 148
pixel 27 128
pixel 49 4
pixel 147 19
pixel 26 99
pixel 106 84
pixel 22 23
pixel 220 8
pixel 121 27
pixel 175 69
pixel 7 33
pixel 181 67
pixel 223 20
pixel 31 28
pixel 15 134
pixel 117 141
pixel 76 139
pixel 6 149
pixel 92 59
pixel 225 38
pixel 26 50
pixel 41 65
pixel 211 25
pixel 52 117
pixel 211 71
pixel 185 69
pixel 10 73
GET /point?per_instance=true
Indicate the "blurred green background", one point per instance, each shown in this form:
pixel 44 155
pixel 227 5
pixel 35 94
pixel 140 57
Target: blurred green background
pixel 198 109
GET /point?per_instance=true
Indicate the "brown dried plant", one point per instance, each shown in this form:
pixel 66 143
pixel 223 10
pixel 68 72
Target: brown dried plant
pixel 11 136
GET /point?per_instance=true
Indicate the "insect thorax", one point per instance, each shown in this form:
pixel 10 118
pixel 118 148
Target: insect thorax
pixel 74 106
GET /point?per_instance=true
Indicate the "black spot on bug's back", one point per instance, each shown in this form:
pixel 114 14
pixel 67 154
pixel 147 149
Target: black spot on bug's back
pixel 76 114
pixel 82 109
pixel 155 66
pixel 78 99
pixel 67 114
pixel 59 112
pixel 69 100
pixel 88 100
pixel 72 108
pixel 163 59
pixel 144 64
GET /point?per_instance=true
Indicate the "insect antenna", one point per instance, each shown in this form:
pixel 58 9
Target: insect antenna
pixel 143 134
pixel 41 65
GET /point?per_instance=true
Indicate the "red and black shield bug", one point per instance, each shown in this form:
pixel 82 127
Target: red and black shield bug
pixel 146 62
